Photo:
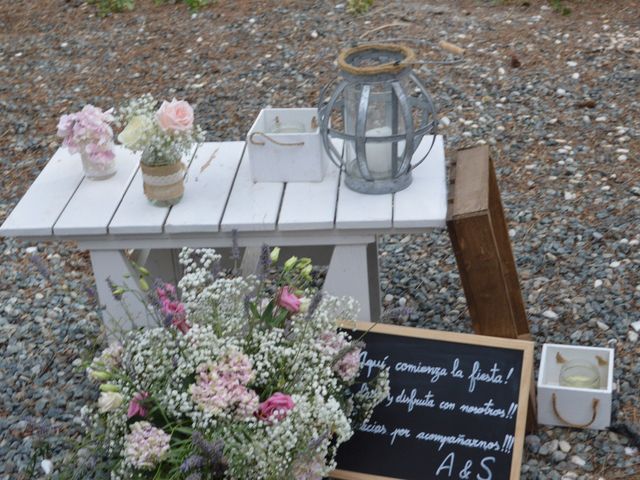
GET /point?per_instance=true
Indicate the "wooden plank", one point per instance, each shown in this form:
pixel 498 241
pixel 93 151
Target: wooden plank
pixel 207 187
pixel 471 188
pixel 482 276
pixel 251 206
pixel 481 244
pixel 359 210
pixel 424 202
pixel 92 206
pixel 37 211
pixel 510 273
pixel 310 205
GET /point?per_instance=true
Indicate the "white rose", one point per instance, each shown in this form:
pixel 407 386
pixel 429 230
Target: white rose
pixel 109 401
pixel 134 131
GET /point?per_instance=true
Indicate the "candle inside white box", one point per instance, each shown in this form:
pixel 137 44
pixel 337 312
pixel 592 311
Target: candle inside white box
pixel 284 145
pixel 575 405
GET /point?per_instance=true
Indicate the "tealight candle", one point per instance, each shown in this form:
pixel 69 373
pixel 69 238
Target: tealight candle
pixel 579 374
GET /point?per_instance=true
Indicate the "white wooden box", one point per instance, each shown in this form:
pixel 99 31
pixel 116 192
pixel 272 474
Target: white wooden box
pixel 571 406
pixel 284 145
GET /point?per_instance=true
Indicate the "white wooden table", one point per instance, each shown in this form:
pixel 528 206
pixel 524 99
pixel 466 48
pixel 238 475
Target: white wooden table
pixel 111 217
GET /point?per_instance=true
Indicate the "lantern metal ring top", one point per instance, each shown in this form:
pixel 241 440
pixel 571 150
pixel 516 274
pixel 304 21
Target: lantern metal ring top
pixel 381 111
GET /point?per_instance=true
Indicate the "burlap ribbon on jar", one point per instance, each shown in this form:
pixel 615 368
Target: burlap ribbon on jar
pixel 165 182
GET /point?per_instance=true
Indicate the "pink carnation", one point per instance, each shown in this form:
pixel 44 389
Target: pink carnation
pixel 275 407
pixel 288 300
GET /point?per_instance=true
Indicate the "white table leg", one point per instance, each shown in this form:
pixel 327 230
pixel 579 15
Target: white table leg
pixel 160 262
pixel 353 271
pixel 128 312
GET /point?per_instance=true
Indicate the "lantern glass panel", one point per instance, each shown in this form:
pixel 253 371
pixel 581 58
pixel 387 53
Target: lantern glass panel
pixel 383 119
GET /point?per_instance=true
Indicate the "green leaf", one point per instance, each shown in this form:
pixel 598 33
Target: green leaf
pixel 254 310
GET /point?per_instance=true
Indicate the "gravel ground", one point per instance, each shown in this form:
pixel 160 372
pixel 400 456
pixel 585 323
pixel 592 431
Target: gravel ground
pixel 557 98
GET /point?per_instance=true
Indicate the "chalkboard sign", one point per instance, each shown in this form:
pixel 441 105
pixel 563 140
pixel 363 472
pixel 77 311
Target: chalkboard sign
pixel 456 410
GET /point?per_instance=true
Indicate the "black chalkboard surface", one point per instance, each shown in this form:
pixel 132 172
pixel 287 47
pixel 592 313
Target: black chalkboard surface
pixel 456 410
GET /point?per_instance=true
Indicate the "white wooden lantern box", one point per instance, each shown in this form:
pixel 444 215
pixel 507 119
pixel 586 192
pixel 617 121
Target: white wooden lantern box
pixel 284 145
pixel 571 406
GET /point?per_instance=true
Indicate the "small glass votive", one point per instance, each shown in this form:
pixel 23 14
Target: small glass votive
pixel 289 126
pixel 579 374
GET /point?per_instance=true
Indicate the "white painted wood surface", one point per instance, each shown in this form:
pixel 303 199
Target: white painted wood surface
pixel 251 206
pixel 42 204
pixel 348 276
pixel 95 201
pixel 128 312
pixel 358 210
pixel 219 196
pixel 424 202
pixel 207 186
pixel 311 205
pixel 135 215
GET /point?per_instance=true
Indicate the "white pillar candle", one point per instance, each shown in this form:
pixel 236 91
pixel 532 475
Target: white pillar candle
pixel 379 154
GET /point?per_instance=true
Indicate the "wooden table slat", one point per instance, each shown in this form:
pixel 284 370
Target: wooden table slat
pixel 207 187
pixel 136 215
pixel 311 205
pixel 42 204
pixel 424 202
pixel 95 201
pixel 251 206
pixel 359 210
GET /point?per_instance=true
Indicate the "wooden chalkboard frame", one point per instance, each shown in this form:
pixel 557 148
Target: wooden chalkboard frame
pixel 526 347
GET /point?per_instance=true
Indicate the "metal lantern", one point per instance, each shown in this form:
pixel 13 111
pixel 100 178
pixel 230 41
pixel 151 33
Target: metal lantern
pixel 382 112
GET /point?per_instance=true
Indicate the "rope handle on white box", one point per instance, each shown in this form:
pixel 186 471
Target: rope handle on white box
pixel 594 405
pixel 272 140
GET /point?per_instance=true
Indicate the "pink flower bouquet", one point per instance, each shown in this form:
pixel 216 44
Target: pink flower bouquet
pixel 89 133
pixel 244 378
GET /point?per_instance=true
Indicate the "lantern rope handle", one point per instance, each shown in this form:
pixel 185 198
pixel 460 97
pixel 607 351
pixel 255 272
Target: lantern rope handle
pixel 272 140
pixel 594 406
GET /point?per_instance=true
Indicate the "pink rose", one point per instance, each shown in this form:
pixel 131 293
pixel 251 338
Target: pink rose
pixel 136 406
pixel 275 407
pixel 175 116
pixel 288 300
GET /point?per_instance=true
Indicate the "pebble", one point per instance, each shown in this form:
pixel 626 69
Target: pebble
pixel 564 446
pixel 550 314
pixel 632 336
pixel 602 326
pixel 575 459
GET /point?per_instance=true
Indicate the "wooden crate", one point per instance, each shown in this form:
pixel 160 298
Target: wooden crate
pixel 480 239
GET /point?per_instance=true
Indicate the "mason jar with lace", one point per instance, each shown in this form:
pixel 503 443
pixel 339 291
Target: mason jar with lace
pixel 162 176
